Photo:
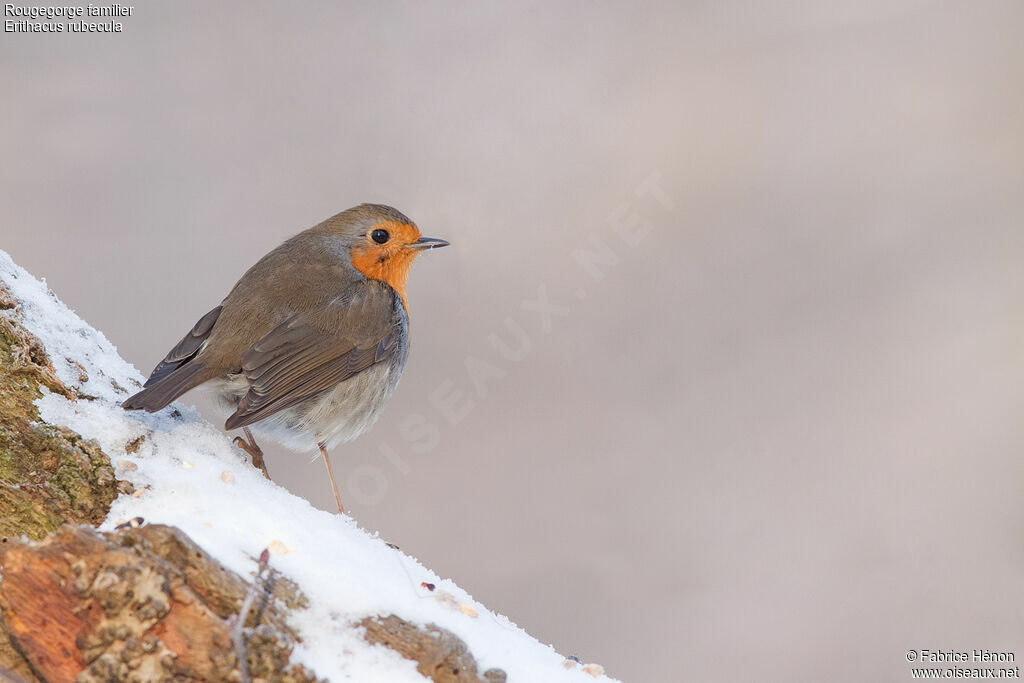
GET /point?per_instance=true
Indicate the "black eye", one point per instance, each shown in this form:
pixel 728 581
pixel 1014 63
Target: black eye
pixel 380 236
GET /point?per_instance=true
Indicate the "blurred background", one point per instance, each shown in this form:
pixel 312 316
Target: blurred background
pixel 722 377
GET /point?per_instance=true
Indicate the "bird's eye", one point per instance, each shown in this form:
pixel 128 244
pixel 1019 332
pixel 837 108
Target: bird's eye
pixel 380 236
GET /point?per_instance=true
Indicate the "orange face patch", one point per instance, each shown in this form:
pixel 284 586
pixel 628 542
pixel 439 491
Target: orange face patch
pixel 388 261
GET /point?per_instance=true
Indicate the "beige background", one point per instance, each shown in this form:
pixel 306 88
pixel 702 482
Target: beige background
pixel 778 439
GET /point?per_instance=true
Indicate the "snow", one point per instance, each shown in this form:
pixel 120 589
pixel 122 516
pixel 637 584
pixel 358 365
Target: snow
pixel 191 476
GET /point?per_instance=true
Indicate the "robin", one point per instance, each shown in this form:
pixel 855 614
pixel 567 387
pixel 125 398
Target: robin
pixel 311 342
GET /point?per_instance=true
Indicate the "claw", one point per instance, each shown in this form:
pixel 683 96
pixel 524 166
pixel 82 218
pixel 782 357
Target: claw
pixel 255 452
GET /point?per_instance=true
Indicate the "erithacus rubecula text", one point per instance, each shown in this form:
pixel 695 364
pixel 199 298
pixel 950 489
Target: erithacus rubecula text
pixel 311 342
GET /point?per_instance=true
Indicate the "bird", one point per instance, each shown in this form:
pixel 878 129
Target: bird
pixel 311 341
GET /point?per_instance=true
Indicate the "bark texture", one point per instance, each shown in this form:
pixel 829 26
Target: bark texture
pixel 139 604
pixel 48 475
pixel 440 655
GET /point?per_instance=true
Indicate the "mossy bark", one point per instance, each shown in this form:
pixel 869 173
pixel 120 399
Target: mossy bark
pixel 48 475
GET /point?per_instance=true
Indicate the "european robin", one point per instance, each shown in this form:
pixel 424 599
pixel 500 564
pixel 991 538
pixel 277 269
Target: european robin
pixel 311 342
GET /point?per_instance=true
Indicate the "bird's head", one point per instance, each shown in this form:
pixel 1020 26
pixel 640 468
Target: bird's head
pixel 383 244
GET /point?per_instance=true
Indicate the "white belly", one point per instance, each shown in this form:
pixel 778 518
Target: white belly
pixel 333 418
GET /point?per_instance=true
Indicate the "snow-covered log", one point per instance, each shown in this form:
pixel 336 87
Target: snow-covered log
pixel 145 547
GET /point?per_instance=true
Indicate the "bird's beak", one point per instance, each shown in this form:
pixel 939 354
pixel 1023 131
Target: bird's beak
pixel 427 243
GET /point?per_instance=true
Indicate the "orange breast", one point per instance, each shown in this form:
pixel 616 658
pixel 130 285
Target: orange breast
pixel 389 262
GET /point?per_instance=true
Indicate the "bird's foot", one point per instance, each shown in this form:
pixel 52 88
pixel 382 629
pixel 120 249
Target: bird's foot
pixel 255 452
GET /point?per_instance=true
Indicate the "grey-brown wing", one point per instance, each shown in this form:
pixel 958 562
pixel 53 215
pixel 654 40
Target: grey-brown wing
pixel 178 372
pixel 186 349
pixel 305 357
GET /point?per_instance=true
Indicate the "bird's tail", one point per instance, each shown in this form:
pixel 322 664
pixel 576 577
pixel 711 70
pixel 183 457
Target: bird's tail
pixel 169 387
pixel 181 369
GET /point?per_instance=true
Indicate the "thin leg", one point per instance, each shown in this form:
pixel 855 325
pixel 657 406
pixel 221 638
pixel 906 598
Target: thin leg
pixel 254 451
pixel 330 473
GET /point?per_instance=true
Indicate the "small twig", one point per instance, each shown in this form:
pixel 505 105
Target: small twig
pixel 238 628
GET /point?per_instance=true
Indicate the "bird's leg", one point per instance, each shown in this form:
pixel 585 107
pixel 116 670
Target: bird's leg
pixel 330 473
pixel 255 452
